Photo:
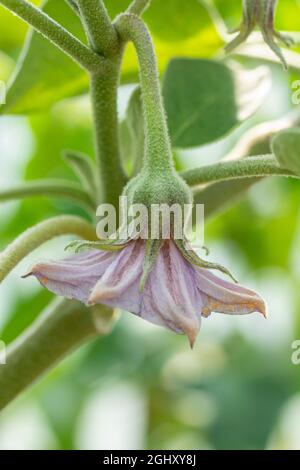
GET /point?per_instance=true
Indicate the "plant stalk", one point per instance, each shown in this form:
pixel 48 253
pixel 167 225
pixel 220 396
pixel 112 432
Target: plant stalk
pixel 35 236
pixel 259 166
pixel 104 88
pixel 100 31
pixel 62 327
pixel 50 188
pixel 158 152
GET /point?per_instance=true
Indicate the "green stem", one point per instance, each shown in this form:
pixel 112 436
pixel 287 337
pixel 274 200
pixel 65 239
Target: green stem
pixel 101 33
pixel 137 7
pixel 73 5
pixel 250 167
pixel 62 327
pixel 53 31
pixel 52 188
pixel 39 234
pixel 108 158
pixel 158 153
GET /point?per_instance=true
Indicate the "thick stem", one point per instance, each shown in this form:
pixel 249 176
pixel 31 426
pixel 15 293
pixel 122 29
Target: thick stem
pixel 101 33
pixel 158 153
pixel 39 234
pixel 104 103
pixel 63 326
pixel 53 31
pixel 55 188
pixel 266 165
pixel 137 7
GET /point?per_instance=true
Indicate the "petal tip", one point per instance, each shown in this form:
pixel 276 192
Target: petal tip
pixel 264 310
pixel 191 331
pixel 27 275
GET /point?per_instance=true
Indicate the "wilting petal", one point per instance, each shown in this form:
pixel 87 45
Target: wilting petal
pixel 226 297
pixel 176 293
pixel 119 285
pixel 171 297
pixel 75 276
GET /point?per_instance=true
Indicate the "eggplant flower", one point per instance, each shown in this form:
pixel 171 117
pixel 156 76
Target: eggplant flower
pixel 175 293
pixel 260 13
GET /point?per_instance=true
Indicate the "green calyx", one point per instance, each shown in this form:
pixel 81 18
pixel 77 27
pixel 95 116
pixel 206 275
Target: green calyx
pixel 260 13
pixel 194 259
pixel 149 188
pixel 151 253
pixel 157 193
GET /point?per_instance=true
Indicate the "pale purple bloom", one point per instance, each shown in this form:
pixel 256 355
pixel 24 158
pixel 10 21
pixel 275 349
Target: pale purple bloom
pixel 176 294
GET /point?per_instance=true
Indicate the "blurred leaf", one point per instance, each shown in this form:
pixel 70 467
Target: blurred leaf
pixel 218 197
pixel 6 66
pixel 44 74
pixel 175 20
pixel 286 147
pixel 205 99
pixel 132 131
pixel 9 42
pixel 25 312
pixel 115 7
pixel 169 20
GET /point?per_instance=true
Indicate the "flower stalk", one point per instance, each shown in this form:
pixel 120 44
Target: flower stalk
pixel 158 153
pixel 100 31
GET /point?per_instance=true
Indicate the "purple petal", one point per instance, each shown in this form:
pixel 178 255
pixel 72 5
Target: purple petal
pixel 226 297
pixel 75 276
pixel 176 293
pixel 171 297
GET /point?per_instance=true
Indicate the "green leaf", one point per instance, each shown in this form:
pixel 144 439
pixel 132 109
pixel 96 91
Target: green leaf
pixel 132 132
pixel 44 74
pixel 286 147
pixel 176 20
pixel 218 197
pixel 205 100
pixel 6 66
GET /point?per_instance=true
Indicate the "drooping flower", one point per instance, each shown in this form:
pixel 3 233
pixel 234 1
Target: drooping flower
pixel 176 293
pixel 260 13
pixel 159 279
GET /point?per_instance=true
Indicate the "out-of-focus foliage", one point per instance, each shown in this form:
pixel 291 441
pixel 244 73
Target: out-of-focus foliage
pixel 286 149
pixel 238 388
pixel 205 100
pixel 45 75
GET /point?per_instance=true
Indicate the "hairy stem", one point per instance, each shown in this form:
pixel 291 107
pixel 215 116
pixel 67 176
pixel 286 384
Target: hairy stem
pixel 39 234
pixel 101 33
pixel 108 157
pixel 52 188
pixel 62 327
pixel 137 7
pixel 266 165
pixel 53 31
pixel 158 153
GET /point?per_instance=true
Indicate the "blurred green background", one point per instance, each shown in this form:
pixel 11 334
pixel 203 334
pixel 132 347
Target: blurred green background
pixel 142 387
